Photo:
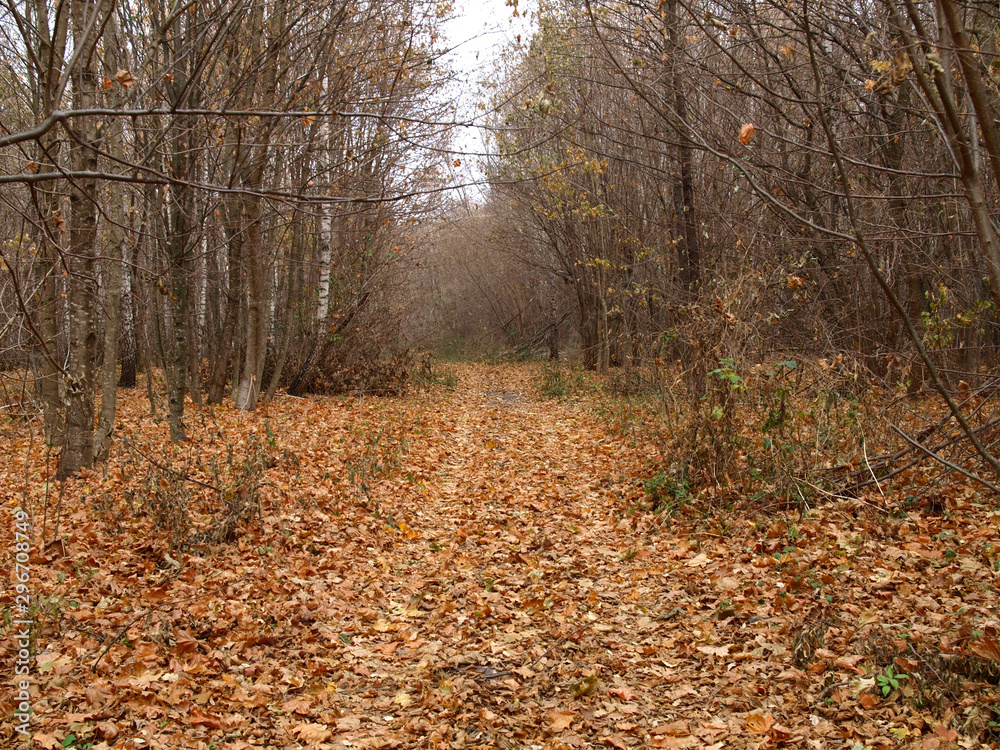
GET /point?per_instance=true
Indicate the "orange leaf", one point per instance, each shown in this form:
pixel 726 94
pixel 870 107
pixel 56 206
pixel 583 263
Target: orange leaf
pixel 560 720
pixel 746 133
pixel 759 724
pixel 624 693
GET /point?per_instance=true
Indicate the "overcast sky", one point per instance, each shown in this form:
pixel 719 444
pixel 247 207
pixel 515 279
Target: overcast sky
pixel 480 32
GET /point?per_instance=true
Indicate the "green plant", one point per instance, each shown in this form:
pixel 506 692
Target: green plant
pixel 726 374
pixel 888 681
pixel 668 492
pixel 379 455
pixel 558 382
pixel 993 725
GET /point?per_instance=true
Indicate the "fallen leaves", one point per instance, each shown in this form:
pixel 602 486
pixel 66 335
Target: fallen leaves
pixel 495 591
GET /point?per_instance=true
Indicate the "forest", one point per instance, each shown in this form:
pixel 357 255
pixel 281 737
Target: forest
pixel 665 416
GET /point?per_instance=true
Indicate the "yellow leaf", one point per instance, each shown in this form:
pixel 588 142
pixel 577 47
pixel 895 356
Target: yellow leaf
pixel 584 687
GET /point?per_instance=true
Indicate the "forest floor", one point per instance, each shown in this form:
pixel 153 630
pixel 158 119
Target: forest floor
pixel 467 567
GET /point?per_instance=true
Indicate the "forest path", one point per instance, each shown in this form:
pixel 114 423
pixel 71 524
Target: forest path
pixel 512 581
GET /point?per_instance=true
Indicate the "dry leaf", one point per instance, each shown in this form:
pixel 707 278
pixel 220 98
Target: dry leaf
pixel 125 79
pixel 697 561
pixel 312 733
pixel 560 720
pixel 677 728
pixel 348 723
pixel 986 647
pixel 746 133
pixel 624 693
pixel 759 723
pixel 584 687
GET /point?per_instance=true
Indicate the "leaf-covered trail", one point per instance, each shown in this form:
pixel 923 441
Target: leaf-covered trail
pixel 464 569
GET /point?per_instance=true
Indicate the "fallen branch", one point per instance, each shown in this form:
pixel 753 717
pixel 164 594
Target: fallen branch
pixel 971 475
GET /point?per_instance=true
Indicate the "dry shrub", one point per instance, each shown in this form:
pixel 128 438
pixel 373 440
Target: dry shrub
pixel 741 412
pixel 768 430
pixel 191 505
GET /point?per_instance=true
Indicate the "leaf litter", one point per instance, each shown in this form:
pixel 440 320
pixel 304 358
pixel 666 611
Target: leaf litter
pixel 466 569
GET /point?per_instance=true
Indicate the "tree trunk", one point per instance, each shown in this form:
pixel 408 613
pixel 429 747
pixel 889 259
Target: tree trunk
pixel 113 266
pixel 248 391
pixel 234 290
pixel 78 448
pixel 684 205
pixel 51 51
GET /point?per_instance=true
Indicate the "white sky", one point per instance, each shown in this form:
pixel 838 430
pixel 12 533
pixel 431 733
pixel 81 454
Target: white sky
pixel 480 31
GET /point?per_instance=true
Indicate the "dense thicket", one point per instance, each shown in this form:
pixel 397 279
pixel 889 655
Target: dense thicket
pixel 718 172
pixel 218 189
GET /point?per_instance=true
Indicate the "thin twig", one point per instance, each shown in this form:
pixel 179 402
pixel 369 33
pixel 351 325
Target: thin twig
pixel 822 696
pixel 971 475
pixel 864 450
pixel 161 467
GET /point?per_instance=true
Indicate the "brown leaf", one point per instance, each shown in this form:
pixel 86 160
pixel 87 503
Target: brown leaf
pixel 674 743
pixel 200 716
pixel 746 133
pixel 107 730
pixel 560 720
pixel 697 561
pixel 868 700
pixel 348 723
pixel 987 648
pixel 676 728
pixel 47 741
pixel 312 733
pixel 948 735
pixel 125 79
pixel 297 705
pixel 759 723
pixel 624 693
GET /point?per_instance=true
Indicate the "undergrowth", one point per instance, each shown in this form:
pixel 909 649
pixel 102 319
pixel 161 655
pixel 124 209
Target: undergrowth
pixel 772 432
pixel 560 381
pixel 189 500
